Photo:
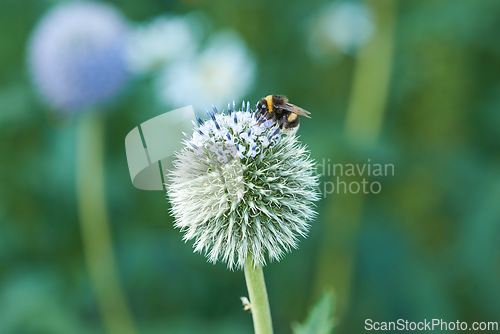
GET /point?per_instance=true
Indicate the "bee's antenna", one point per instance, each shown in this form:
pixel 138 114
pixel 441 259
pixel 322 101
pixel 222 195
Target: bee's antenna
pixel 257 110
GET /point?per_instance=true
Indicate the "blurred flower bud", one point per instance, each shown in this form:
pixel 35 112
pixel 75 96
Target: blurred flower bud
pixel 154 44
pixel 224 69
pixel 341 27
pixel 76 55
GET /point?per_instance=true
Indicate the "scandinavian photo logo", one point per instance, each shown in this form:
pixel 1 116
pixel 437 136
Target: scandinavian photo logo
pixel 353 178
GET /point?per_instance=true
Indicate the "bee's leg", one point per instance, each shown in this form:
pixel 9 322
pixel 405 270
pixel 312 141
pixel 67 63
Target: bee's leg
pixel 263 117
pixel 282 123
pixel 257 111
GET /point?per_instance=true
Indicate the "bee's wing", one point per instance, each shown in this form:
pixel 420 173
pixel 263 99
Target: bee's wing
pixel 296 110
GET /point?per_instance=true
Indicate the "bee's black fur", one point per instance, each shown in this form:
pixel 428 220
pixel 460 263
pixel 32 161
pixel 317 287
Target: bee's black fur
pixel 279 112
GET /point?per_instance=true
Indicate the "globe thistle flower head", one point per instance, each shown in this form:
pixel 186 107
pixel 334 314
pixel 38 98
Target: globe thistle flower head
pixel 76 55
pixel 241 187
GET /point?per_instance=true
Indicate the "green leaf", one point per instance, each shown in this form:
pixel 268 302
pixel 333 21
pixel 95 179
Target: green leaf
pixel 320 318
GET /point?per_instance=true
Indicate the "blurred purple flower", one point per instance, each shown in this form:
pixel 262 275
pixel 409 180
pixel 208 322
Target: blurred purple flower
pixel 76 55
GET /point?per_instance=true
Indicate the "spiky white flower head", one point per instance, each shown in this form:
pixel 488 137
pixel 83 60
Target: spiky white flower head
pixel 224 69
pixel 76 55
pixel 240 186
pixel 166 38
pixel 341 27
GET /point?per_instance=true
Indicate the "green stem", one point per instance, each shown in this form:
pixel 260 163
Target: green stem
pixel 372 76
pixel 95 230
pixel 257 292
pixel 363 124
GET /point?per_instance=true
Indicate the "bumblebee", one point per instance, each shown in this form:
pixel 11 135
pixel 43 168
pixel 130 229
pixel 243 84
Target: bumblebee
pixel 278 109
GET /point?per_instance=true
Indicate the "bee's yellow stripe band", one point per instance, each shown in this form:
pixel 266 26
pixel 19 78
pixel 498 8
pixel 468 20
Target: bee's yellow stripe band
pixel 269 100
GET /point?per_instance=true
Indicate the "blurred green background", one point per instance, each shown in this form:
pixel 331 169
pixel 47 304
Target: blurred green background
pixel 421 91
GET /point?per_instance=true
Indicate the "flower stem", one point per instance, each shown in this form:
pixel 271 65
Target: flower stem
pixel 94 225
pixel 257 292
pixel 370 89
